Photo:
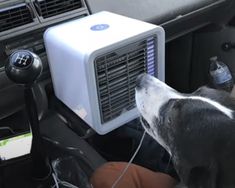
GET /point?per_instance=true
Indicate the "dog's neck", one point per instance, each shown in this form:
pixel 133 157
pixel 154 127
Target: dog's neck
pixel 226 111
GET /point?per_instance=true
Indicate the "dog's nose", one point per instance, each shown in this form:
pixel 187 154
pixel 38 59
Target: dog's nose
pixel 139 80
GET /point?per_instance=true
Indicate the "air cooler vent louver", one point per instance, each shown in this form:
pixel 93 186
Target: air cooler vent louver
pixel 49 8
pixel 94 63
pixel 15 16
pixel 116 75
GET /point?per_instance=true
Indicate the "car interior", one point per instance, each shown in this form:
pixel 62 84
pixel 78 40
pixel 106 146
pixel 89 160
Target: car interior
pixel 62 142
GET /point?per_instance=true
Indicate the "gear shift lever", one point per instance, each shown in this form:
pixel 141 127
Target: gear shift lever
pixel 24 67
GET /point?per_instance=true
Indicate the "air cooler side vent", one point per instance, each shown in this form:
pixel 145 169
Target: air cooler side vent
pixel 15 16
pixel 49 8
pixel 116 73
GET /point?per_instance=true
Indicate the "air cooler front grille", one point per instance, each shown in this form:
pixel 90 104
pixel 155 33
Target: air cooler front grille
pixel 49 8
pixel 15 16
pixel 116 74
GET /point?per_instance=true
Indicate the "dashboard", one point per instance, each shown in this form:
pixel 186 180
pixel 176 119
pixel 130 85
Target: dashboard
pixel 23 22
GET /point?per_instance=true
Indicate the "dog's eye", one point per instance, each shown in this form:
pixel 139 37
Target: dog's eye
pixel 169 121
pixel 144 122
pixel 157 121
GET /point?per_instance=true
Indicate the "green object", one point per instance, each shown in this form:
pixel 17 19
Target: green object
pixel 5 141
pixel 15 146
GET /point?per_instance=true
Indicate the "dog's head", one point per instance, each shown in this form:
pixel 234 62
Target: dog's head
pixel 198 129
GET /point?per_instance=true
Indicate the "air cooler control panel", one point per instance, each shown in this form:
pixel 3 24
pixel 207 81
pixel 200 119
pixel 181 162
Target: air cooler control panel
pixel 94 63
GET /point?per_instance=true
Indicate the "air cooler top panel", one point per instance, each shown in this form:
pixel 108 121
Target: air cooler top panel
pixel 98 31
pixel 94 62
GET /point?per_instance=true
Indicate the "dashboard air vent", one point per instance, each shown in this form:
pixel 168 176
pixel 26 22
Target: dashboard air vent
pixel 14 16
pixel 49 8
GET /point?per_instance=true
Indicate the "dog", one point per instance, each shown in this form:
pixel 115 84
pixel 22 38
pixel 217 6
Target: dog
pixel 197 130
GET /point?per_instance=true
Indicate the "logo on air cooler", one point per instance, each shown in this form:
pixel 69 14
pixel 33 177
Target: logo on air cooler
pixel 99 27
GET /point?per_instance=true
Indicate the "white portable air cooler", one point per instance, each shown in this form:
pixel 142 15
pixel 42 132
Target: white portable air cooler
pixel 94 62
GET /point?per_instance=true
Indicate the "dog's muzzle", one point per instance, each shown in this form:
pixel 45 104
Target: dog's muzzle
pixel 142 81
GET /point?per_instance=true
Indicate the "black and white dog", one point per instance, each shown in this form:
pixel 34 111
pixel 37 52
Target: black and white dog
pixel 198 130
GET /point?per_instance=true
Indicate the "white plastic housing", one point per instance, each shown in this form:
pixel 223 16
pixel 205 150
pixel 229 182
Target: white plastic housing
pixel 72 48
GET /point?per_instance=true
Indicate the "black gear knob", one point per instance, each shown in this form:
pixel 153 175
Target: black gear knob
pixel 23 67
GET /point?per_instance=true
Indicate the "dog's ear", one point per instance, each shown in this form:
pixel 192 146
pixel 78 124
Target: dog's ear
pixel 202 177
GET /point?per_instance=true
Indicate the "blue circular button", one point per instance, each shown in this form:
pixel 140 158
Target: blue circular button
pixel 99 27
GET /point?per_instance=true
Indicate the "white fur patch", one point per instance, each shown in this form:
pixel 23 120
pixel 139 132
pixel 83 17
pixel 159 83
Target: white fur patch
pixel 155 93
pixel 226 111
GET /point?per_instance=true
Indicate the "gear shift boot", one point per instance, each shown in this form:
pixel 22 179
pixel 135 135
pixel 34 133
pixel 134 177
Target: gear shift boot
pixel 24 67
